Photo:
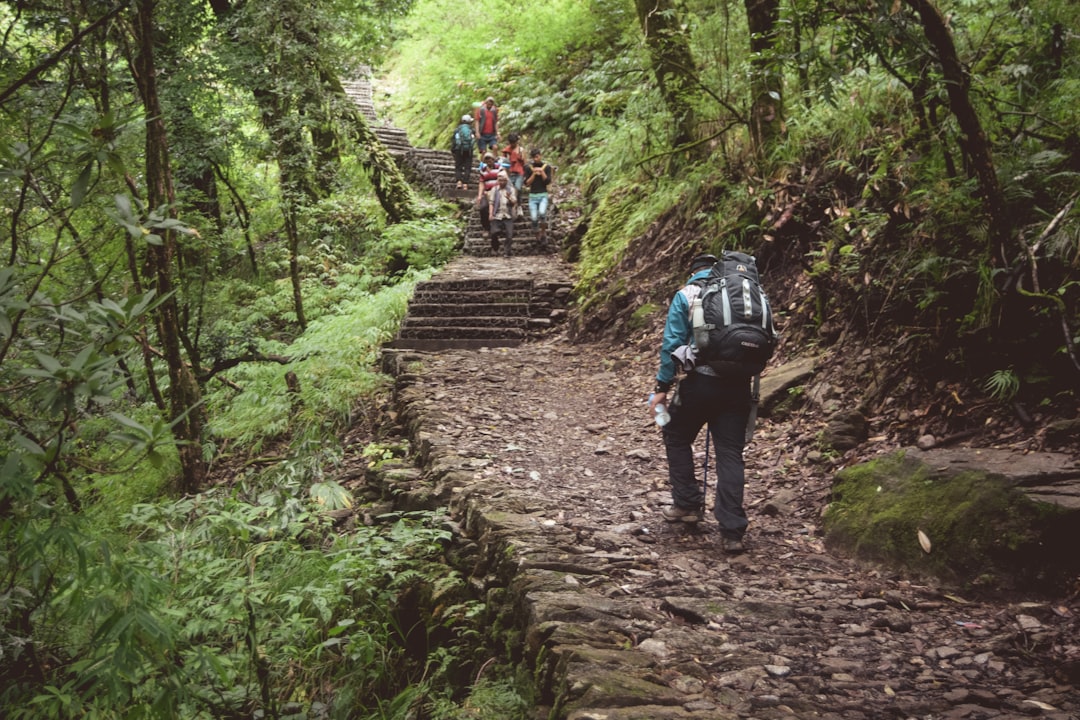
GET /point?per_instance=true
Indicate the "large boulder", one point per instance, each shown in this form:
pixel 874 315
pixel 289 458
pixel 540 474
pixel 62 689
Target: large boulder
pixel 975 517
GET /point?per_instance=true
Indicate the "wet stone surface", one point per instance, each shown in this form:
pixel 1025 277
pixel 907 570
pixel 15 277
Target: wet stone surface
pixel 549 462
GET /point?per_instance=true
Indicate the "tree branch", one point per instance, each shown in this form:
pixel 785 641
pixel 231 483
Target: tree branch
pixel 229 363
pixel 51 60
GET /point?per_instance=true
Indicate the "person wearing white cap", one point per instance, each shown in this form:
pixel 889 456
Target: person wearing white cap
pixel 461 145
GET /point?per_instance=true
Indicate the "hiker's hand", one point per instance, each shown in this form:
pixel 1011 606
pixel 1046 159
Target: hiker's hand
pixel 657 399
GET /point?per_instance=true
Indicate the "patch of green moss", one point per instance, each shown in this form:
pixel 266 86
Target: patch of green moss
pixel 641 316
pixel 979 526
pixel 607 237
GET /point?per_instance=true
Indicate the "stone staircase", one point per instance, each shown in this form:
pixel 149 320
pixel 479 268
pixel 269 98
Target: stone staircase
pixel 480 299
pixel 486 302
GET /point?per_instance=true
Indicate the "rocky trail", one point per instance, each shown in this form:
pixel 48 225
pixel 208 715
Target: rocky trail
pixel 555 474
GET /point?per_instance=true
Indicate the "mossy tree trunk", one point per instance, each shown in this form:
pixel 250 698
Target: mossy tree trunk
pixel 674 67
pixel 973 142
pixel 185 396
pixel 393 191
pixel 766 79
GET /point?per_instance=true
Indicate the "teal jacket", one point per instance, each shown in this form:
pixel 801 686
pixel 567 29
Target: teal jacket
pixel 678 330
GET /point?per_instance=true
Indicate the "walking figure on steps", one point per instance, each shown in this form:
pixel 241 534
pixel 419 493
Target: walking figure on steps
pixel 487 126
pixel 515 157
pixel 461 145
pixel 539 178
pixel 501 203
pixel 489 175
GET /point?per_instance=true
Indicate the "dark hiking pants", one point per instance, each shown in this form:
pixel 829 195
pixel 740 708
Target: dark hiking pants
pixel 724 405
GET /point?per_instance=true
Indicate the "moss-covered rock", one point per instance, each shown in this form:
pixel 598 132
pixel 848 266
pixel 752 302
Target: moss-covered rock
pixel 980 530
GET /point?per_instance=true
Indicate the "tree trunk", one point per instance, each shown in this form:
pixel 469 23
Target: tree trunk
pixel 185 397
pixel 296 180
pixel 673 65
pixel 766 81
pixel 288 209
pixel 393 191
pixel 973 138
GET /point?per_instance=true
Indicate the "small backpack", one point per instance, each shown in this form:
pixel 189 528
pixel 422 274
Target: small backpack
pixel 463 139
pixel 731 319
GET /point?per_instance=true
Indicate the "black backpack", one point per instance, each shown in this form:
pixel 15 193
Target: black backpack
pixel 732 323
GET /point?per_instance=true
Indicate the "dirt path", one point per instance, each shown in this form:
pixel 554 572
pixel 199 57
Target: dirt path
pixel 559 436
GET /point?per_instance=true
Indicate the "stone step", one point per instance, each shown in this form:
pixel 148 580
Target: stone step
pixel 390 133
pixel 475 298
pixel 462 333
pixel 481 247
pixel 479 283
pixel 436 344
pixel 433 154
pixel 461 309
pixel 477 322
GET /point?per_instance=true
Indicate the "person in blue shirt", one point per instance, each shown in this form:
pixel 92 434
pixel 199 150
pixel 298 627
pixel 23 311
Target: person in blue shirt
pixel 703 398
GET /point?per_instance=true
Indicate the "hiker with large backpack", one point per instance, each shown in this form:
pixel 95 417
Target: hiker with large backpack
pixel 719 331
pixel 461 145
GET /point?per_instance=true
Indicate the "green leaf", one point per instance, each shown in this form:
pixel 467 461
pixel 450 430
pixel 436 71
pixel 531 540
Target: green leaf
pixel 78 190
pixel 80 360
pixel 133 424
pixel 51 364
pixel 331 496
pixel 123 206
pixel 29 446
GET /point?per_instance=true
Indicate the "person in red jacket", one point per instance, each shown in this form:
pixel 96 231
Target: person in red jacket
pixel 487 126
pixel 514 154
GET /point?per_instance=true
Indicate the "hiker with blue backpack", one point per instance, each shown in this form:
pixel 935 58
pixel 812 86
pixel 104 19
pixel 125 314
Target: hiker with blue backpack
pixel 720 332
pixel 461 145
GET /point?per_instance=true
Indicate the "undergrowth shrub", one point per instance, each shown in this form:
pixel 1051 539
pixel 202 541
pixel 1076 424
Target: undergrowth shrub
pixel 232 602
pixel 334 360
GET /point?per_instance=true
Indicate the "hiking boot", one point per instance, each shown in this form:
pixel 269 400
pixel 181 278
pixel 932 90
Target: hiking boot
pixel 674 513
pixel 732 546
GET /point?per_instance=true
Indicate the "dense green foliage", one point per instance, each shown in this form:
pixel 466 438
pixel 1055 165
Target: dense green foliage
pixel 202 259
pixel 120 596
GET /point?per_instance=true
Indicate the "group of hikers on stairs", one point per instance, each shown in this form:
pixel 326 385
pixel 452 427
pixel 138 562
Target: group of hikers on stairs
pixel 503 178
